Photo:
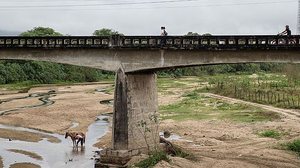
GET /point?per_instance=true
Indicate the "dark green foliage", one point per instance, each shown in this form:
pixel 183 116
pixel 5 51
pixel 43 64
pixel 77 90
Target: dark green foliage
pixel 192 34
pixel 105 32
pixel 47 73
pixel 294 146
pixel 271 134
pixel 153 159
pixel 223 69
pixel 41 31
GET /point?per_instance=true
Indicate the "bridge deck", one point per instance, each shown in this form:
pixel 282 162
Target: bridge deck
pixel 259 42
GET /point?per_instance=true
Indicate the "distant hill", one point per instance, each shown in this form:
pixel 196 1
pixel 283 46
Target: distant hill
pixel 9 33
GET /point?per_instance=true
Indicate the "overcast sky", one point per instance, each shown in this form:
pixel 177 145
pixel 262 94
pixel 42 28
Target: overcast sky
pixel 145 17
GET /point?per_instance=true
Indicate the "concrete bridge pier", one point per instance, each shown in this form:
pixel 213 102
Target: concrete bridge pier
pixel 135 118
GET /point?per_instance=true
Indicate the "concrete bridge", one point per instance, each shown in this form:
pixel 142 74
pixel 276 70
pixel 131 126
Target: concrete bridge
pixel 135 60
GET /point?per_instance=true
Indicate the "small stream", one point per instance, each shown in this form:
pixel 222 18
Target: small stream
pixel 55 155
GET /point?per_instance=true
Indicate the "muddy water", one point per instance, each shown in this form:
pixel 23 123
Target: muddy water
pixel 54 155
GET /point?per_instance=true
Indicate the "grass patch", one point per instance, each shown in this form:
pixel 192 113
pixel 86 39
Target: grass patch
pixel 294 146
pixel 271 134
pixel 180 153
pixel 168 83
pixel 27 153
pixel 22 86
pixel 109 90
pixel 197 107
pixel 153 160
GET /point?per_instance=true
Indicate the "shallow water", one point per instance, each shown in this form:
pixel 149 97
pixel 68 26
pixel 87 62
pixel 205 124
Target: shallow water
pixel 54 155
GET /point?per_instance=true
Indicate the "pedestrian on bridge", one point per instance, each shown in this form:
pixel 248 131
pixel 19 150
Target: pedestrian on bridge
pixel 287 31
pixel 163 36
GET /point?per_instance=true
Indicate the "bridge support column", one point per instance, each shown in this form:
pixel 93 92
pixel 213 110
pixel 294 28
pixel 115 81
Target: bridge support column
pixel 135 118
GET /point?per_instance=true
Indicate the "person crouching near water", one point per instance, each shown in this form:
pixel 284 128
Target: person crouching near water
pixel 80 138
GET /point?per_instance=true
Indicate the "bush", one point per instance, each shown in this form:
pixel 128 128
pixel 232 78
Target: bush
pixel 294 146
pixel 153 159
pixel 271 134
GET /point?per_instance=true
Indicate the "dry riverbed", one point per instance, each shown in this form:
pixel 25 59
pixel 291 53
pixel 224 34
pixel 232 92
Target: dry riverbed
pixel 219 132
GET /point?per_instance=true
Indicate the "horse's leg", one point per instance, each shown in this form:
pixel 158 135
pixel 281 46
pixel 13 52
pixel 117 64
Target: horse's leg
pixel 74 142
pixel 79 140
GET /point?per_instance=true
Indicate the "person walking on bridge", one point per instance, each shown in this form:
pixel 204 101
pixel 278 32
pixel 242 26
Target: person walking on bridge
pixel 163 36
pixel 287 31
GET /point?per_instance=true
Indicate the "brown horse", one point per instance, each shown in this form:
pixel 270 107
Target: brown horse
pixel 79 136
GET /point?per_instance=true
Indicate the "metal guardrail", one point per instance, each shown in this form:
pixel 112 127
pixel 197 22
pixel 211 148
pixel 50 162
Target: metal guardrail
pixel 259 42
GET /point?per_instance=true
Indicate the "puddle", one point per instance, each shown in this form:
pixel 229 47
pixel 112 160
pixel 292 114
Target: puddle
pixel 61 155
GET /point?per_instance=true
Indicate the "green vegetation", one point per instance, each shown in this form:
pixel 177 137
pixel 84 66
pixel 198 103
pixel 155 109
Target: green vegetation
pixel 271 134
pixel 196 107
pixel 180 153
pixel 41 31
pixel 224 69
pixel 35 72
pixel 294 146
pixel 153 159
pixel 106 32
pixel 273 89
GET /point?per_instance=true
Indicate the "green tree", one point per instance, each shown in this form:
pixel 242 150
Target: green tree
pixel 105 32
pixel 206 34
pixel 41 31
pixel 192 34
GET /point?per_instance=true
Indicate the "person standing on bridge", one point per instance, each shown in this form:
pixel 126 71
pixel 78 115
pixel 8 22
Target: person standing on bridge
pixel 287 31
pixel 163 36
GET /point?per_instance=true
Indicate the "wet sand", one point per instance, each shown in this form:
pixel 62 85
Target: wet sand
pixel 27 153
pixel 24 165
pixel 25 136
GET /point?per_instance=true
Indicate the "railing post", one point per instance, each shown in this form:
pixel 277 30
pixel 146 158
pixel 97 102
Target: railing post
pixel 115 41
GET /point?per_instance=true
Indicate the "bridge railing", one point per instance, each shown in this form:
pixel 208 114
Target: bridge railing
pixel 166 42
